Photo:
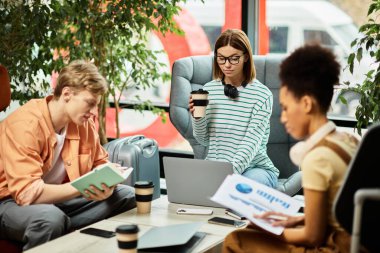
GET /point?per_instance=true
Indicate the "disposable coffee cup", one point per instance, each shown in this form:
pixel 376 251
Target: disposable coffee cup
pixel 200 100
pixel 127 237
pixel 144 194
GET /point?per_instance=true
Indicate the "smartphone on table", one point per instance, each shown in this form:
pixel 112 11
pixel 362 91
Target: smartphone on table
pixel 226 222
pixel 98 232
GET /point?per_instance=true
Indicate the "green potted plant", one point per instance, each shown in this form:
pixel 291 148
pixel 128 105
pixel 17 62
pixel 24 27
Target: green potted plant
pixel 368 109
pixel 113 34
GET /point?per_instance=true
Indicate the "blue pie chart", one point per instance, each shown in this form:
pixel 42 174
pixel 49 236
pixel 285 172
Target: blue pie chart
pixel 244 188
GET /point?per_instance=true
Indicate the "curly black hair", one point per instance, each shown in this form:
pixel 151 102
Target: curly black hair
pixel 311 70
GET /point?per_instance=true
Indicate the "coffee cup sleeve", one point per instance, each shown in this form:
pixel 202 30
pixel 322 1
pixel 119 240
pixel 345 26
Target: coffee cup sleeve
pixel 200 102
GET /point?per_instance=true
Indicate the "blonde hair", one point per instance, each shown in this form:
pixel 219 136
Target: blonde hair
pixel 81 75
pixel 237 39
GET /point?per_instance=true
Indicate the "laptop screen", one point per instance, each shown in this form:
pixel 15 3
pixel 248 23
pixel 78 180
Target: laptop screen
pixel 194 181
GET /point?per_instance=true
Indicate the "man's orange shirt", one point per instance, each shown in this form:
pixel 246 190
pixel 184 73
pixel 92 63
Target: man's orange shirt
pixel 27 143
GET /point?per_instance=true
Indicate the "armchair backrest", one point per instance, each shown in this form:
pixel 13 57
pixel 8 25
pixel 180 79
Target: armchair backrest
pixel 191 73
pixel 363 174
pixel 5 89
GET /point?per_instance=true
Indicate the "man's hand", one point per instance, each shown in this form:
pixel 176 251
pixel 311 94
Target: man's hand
pixel 96 194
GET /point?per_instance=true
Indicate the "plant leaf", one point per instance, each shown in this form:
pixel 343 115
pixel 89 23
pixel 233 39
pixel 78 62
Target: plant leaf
pixel 359 55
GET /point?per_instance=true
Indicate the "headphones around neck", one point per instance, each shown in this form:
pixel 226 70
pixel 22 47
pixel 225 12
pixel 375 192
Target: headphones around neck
pixel 230 90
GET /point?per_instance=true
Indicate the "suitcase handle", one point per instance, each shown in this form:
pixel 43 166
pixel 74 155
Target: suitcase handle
pixel 134 138
pixel 148 146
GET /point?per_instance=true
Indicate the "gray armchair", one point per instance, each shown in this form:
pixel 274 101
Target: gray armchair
pixel 191 73
pixel 357 203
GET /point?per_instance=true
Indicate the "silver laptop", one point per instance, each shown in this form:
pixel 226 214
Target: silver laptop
pixel 173 238
pixel 193 181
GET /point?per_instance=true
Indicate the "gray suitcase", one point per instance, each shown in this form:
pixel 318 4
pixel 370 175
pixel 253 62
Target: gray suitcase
pixel 140 153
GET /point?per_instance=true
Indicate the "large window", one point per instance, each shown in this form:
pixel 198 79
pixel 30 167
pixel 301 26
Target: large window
pixel 293 23
pixel 202 23
pixel 287 25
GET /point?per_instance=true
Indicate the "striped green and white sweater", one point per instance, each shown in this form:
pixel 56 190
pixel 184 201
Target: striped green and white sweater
pixel 237 130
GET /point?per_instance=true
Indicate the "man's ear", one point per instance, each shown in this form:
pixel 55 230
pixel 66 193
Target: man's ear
pixel 66 94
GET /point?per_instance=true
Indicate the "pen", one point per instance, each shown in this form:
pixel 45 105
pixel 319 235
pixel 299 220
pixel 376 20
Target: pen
pixel 236 216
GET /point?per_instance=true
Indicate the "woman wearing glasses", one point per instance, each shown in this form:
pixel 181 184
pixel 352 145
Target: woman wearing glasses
pixel 236 126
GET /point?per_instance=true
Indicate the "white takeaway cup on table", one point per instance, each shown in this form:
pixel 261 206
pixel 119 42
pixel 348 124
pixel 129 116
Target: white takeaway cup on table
pixel 127 238
pixel 144 195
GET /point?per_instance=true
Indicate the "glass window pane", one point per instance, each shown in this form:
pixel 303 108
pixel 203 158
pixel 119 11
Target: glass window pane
pixel 320 37
pixel 202 23
pixel 347 32
pixel 278 39
pixel 324 22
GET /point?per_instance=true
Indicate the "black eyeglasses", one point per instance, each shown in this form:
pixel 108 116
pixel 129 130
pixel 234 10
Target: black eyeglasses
pixel 233 60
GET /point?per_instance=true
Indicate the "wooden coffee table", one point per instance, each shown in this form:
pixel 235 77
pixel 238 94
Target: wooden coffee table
pixel 163 213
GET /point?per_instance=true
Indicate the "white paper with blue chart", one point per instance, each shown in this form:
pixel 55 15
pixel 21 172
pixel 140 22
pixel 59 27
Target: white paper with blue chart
pixel 248 197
